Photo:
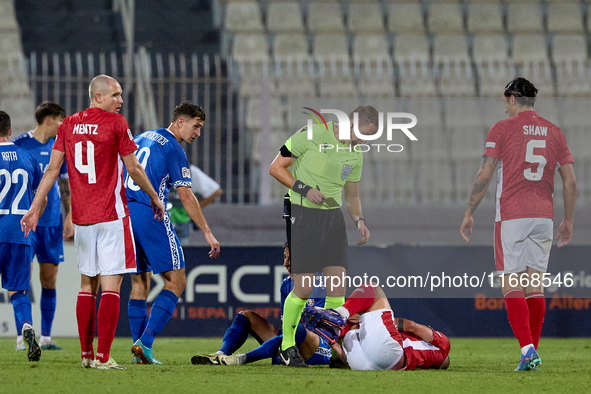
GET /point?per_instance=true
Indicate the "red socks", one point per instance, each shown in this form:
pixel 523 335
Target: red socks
pixel 108 316
pixel 518 314
pixel 86 318
pixel 360 300
pixel 536 304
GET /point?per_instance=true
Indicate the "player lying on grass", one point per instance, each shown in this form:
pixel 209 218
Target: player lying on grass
pixel 314 350
pixel 374 340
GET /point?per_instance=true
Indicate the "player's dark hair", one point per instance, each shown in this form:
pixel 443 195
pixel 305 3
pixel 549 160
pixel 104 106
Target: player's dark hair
pixel 286 245
pixel 188 109
pixel 4 124
pixel 367 114
pixel 523 90
pixel 47 108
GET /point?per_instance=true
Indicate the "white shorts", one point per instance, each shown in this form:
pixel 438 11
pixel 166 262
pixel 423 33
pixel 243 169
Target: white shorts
pixel 105 248
pixel 376 345
pixel 522 243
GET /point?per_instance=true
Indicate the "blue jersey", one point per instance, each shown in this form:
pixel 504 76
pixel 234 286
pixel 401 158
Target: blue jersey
pixel 165 163
pixel 20 175
pixel 52 215
pixel 317 298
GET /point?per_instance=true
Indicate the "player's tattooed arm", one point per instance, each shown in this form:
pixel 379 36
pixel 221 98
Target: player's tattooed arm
pixel 65 194
pixel 478 191
pixel 482 182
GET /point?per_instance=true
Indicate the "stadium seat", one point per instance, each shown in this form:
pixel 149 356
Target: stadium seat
pixel 411 53
pixel 252 76
pixel 568 46
pixel 415 46
pixel 289 45
pixel 7 17
pixel 284 18
pixel 529 47
pixel 405 18
pixel 276 113
pixel 250 47
pixel 450 55
pixel 445 18
pixel 243 17
pixel 530 55
pixel 329 46
pixel 325 17
pixel 484 18
pixel 295 77
pixel 370 46
pixel 335 78
pixel 565 18
pixel 489 46
pixel 374 66
pixel 493 65
pixel 365 17
pixel 524 17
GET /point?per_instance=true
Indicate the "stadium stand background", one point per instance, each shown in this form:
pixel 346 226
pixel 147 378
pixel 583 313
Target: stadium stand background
pixel 252 64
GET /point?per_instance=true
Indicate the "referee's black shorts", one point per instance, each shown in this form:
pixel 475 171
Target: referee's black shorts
pixel 317 239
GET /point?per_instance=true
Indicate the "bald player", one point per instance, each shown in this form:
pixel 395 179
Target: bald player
pixel 96 143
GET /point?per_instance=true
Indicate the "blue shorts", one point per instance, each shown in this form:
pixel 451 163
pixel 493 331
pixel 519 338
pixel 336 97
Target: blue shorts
pixel 15 266
pixel 157 246
pixel 48 244
pixel 322 355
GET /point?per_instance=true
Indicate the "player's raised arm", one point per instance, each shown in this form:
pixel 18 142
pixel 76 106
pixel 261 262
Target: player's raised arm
pixel 31 218
pixel 479 188
pixel 353 203
pixel 569 191
pixel 137 173
pixel 193 209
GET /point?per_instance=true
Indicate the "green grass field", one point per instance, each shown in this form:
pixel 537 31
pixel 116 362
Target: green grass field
pixel 477 366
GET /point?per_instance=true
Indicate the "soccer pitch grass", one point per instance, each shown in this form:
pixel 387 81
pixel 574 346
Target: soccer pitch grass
pixel 477 366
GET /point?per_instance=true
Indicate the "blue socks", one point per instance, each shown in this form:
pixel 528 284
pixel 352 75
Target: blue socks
pixel 22 308
pixel 47 310
pixel 236 335
pixel 267 350
pixel 162 310
pixel 301 334
pixel 138 317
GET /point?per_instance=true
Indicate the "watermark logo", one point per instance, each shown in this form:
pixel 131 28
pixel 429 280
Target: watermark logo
pixel 345 129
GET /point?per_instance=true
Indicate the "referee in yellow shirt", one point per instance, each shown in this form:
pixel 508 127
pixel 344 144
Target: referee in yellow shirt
pixel 321 167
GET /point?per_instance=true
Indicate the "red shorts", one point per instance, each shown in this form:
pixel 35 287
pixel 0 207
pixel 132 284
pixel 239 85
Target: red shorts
pixel 425 355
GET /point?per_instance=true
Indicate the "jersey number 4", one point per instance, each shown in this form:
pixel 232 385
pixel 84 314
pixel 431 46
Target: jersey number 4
pixel 89 167
pixel 12 179
pixel 535 159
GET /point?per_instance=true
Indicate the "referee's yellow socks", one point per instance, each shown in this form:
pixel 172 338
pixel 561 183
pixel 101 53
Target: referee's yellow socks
pixel 292 312
pixel 334 302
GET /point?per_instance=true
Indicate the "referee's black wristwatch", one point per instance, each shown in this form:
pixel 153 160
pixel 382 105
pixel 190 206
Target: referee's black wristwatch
pixel 357 222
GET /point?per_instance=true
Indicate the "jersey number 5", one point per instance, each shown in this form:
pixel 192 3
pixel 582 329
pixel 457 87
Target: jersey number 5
pixel 10 180
pixel 87 168
pixel 534 159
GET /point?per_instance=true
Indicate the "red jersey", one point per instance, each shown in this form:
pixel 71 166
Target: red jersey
pixel 529 149
pixel 423 355
pixel 94 142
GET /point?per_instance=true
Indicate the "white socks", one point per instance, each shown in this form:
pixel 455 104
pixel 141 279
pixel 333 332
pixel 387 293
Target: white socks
pixel 526 348
pixel 343 311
